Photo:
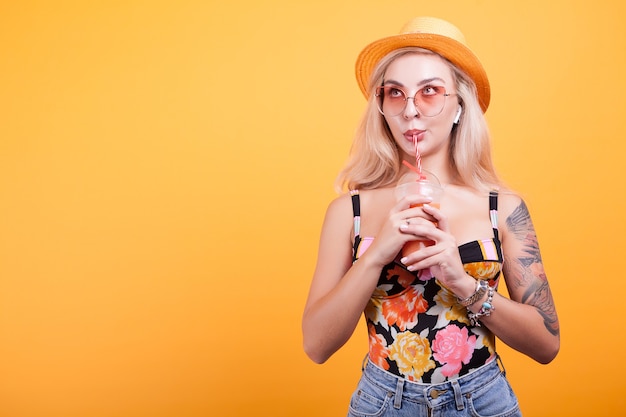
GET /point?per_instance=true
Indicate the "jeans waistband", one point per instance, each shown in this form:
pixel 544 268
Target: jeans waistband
pixel 434 394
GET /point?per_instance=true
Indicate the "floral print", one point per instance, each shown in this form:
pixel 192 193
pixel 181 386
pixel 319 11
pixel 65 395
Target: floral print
pixel 417 329
pixel 422 333
pixel 403 310
pixel 412 354
pixel 378 349
pixel 453 347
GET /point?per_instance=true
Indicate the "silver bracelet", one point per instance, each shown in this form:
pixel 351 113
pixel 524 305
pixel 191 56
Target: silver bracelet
pixel 485 309
pixel 481 289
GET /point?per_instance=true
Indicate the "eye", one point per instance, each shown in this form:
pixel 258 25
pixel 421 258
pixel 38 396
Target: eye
pixel 393 92
pixel 431 90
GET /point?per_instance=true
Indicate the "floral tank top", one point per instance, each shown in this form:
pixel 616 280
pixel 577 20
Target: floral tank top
pixel 417 329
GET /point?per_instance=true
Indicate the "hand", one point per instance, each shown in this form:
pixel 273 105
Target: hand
pixel 390 238
pixel 443 257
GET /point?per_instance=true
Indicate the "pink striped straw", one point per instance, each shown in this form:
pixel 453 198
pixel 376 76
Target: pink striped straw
pixel 418 158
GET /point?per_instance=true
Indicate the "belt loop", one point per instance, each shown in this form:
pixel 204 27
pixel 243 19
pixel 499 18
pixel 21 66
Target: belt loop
pixel 397 402
pixel 501 365
pixel 458 397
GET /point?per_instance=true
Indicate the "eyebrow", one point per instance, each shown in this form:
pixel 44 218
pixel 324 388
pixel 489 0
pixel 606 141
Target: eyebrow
pixel 423 82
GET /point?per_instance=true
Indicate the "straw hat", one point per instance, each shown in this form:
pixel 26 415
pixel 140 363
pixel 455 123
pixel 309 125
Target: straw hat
pixel 433 34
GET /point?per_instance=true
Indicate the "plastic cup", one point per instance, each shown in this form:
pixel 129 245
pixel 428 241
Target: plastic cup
pixel 426 185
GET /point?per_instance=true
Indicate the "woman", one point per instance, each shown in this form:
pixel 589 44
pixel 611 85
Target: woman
pixel 432 315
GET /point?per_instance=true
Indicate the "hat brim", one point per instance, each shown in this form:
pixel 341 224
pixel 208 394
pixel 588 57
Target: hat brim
pixel 454 51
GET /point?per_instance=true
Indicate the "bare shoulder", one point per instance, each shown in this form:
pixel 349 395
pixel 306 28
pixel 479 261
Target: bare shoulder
pixel 374 208
pixel 373 204
pixel 508 202
pixel 339 215
pixel 335 248
pixel 514 213
pixel 523 263
pixel 340 207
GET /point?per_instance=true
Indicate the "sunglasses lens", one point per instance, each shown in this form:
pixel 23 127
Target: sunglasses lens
pixel 428 101
pixel 391 100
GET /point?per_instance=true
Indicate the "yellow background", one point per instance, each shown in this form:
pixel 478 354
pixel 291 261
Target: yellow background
pixel 165 167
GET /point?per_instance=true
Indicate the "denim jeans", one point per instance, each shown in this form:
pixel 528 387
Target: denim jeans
pixel 484 392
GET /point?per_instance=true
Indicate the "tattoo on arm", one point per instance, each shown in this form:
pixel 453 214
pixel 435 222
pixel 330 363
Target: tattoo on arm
pixel 528 268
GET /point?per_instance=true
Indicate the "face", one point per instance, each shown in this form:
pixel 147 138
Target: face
pixel 422 75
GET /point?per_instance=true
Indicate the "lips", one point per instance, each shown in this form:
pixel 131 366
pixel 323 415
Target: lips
pixel 414 134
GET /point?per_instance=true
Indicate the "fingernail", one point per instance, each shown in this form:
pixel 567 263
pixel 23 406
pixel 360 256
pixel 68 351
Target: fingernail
pixel 403 260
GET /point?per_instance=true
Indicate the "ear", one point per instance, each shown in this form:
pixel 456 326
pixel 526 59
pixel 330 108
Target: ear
pixel 458 115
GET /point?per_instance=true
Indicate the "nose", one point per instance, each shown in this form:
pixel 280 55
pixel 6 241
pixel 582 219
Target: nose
pixel 410 110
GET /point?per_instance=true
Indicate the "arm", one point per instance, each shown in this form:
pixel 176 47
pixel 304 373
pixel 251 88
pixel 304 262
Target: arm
pixel 528 321
pixel 341 290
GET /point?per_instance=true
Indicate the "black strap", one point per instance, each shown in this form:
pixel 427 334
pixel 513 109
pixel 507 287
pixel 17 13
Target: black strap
pixel 356 210
pixel 493 212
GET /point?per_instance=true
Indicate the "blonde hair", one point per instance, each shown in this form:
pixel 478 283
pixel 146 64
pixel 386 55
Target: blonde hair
pixel 374 159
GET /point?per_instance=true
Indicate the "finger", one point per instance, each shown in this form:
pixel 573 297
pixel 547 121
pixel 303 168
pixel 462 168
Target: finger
pixel 418 214
pixel 440 240
pixel 405 224
pixel 415 199
pixel 438 215
pixel 420 259
pixel 400 206
pixel 427 257
pixel 409 202
pixel 421 228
